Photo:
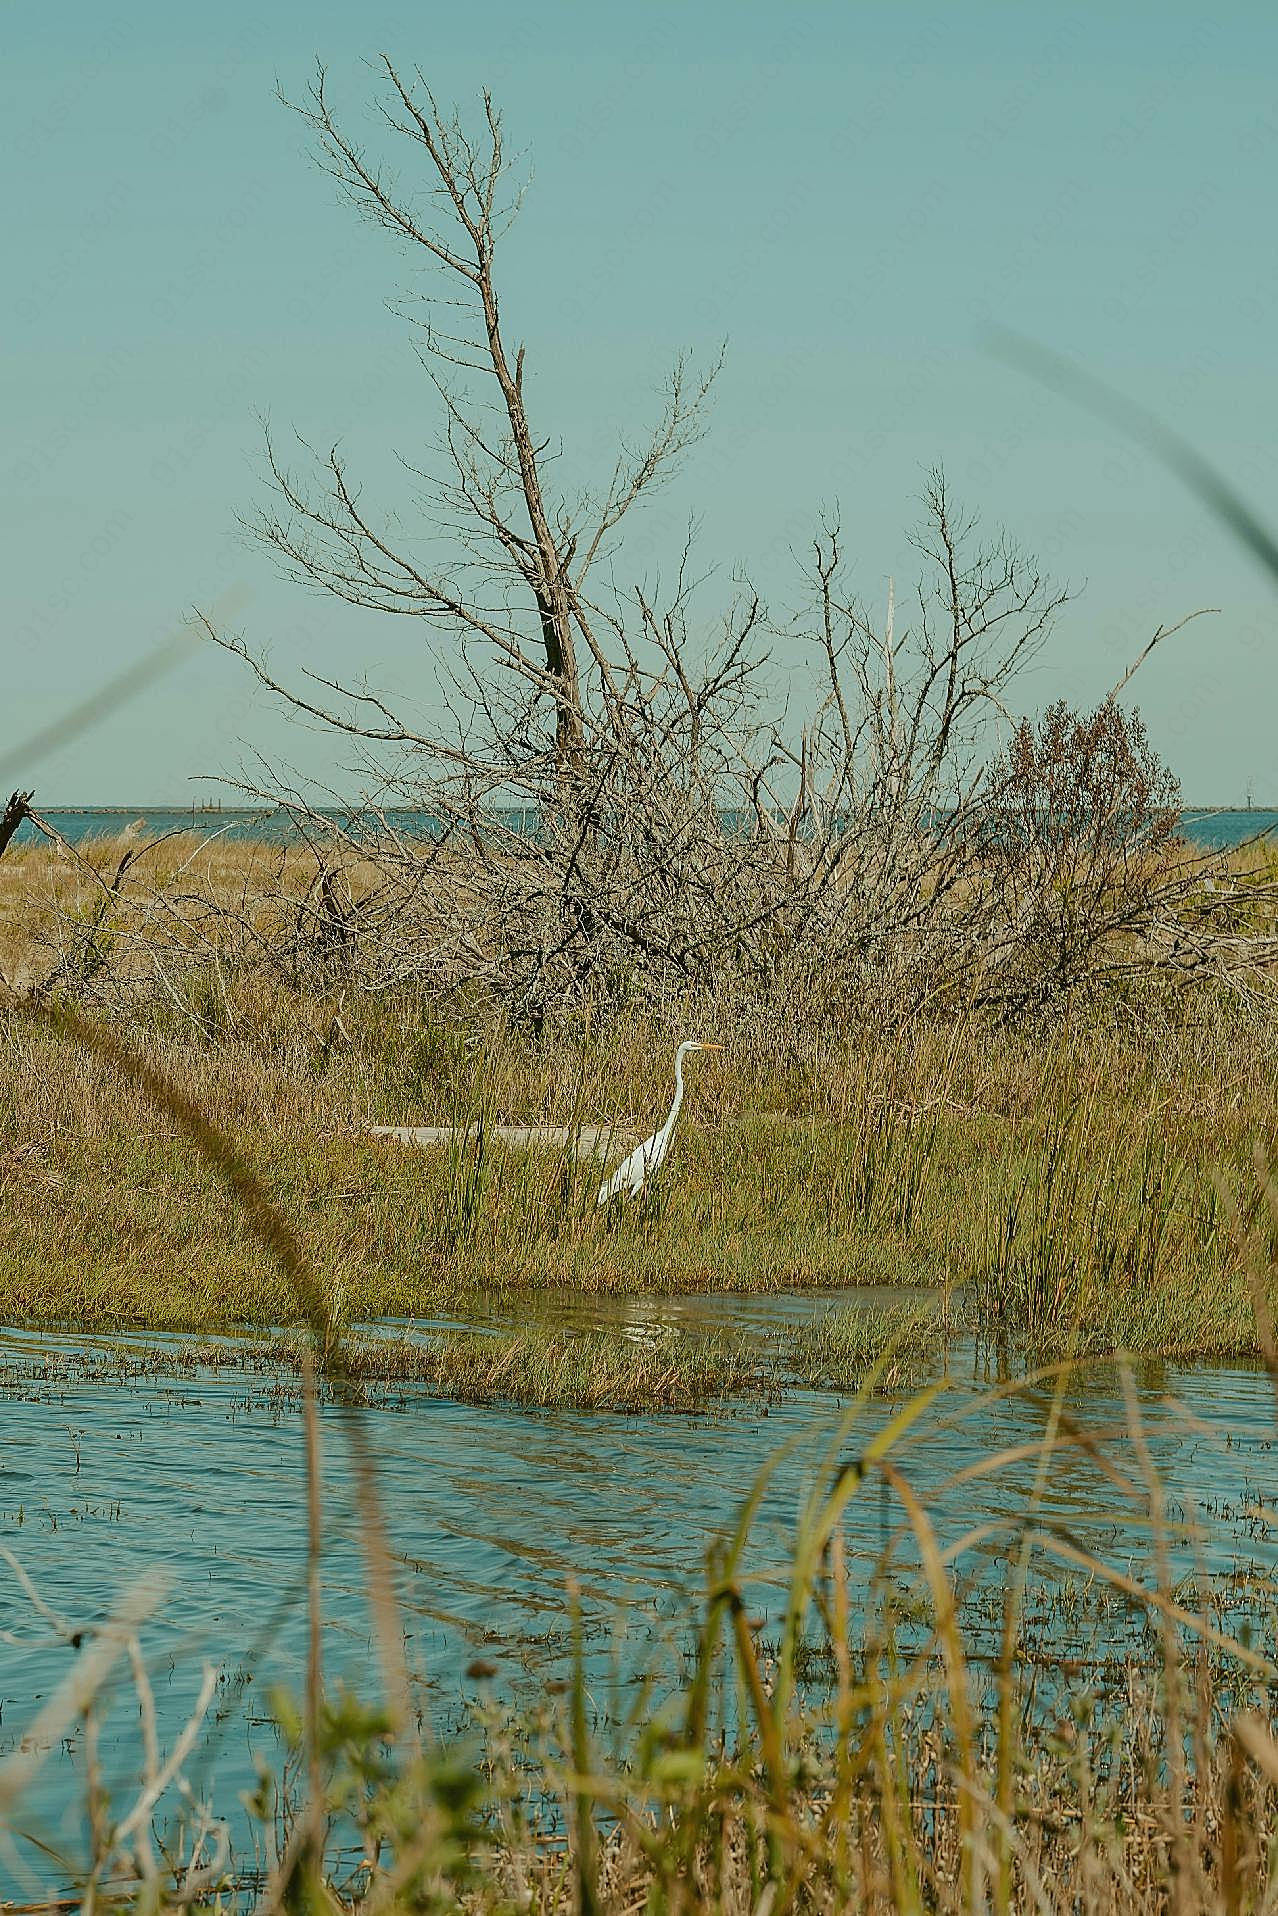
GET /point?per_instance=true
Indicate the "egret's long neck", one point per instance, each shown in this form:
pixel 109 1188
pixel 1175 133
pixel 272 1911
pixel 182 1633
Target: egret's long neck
pixel 668 1126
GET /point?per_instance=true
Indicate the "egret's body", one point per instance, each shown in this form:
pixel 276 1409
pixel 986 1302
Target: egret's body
pixel 636 1171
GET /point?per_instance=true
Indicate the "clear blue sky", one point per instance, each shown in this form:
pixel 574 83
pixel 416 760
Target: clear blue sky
pixel 847 193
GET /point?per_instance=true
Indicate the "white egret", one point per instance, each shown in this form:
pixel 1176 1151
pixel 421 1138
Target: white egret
pixel 647 1158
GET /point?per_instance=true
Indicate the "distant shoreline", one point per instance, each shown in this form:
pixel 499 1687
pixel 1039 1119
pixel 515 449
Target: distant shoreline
pixel 1211 828
pixel 335 811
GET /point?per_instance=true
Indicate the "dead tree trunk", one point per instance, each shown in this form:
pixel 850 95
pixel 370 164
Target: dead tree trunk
pixel 15 811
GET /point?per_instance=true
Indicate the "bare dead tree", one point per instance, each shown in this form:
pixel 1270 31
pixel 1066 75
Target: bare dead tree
pixel 703 845
pixel 887 773
pixel 607 808
pixel 515 577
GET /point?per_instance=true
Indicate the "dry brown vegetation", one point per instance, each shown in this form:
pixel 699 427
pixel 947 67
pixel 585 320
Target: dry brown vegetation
pixel 1074 1181
pixel 678 834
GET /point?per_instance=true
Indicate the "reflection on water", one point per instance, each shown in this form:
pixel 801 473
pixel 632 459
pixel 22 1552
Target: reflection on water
pixel 492 1511
pixel 652 1315
pixel 702 1312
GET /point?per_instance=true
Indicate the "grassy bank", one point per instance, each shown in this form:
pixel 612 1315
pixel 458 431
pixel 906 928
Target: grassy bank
pixel 1076 1184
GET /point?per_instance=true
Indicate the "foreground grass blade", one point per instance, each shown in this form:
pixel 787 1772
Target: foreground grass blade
pixel 117 691
pixel 1202 479
pixel 278 1236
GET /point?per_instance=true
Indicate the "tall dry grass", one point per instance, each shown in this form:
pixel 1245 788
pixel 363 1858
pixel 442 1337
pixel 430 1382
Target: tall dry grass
pixel 1065 1182
pixel 1083 1179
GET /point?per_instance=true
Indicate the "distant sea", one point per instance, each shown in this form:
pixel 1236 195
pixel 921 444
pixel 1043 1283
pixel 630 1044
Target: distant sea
pixel 1212 827
pixel 210 821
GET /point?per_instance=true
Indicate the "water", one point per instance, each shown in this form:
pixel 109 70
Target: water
pixel 1215 829
pixel 492 1512
pixel 1211 827
pixel 258 824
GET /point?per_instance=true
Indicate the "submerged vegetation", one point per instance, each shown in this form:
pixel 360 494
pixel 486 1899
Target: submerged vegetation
pixel 643 1365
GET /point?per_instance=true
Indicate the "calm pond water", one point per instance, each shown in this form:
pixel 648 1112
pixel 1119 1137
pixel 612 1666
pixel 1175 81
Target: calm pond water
pixel 492 1511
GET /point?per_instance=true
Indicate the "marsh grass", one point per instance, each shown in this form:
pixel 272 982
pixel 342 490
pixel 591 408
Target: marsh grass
pixel 1060 1183
pixel 918 1777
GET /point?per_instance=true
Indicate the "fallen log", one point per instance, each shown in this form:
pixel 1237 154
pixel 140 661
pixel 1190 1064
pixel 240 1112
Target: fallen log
pixel 585 1140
